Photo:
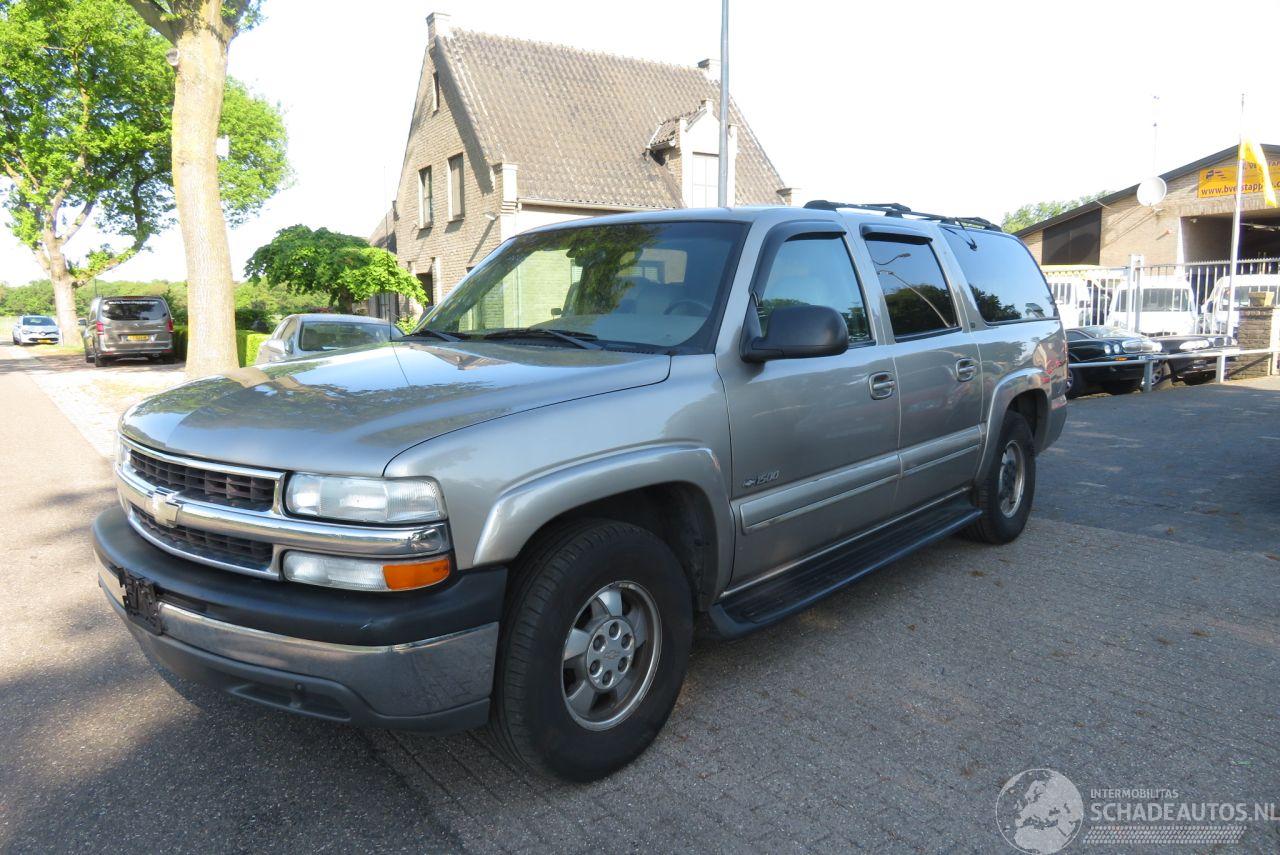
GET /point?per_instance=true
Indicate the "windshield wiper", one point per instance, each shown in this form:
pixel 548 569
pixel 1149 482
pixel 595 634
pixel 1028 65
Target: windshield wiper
pixel 578 339
pixel 426 331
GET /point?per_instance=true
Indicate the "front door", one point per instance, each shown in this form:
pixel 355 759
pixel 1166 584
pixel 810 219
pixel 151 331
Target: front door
pixel 814 440
pixel 936 362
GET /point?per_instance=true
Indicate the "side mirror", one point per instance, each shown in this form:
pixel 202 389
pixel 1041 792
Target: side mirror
pixel 84 322
pixel 799 332
pixel 276 346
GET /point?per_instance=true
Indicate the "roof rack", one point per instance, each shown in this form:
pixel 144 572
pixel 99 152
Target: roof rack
pixel 897 209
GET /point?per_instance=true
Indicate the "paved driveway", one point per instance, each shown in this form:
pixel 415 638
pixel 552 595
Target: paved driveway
pixel 1129 639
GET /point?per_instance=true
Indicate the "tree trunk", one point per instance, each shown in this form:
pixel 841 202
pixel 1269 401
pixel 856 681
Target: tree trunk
pixel 197 108
pixel 64 300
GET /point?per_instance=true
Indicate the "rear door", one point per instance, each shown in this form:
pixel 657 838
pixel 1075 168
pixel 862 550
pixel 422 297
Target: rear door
pixel 936 363
pixel 814 440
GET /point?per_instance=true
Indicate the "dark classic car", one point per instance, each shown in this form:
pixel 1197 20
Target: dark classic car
pixel 1193 359
pixel 1110 345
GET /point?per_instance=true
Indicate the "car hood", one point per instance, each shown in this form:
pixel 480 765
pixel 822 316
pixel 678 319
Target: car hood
pixel 351 413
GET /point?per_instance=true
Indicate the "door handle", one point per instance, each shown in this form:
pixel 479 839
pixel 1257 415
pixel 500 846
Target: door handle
pixel 966 369
pixel 882 385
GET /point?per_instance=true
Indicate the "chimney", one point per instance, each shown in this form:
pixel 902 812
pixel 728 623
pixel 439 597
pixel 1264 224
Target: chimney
pixel 711 68
pixel 438 24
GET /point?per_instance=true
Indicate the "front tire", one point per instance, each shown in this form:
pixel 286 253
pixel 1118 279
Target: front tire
pixel 594 645
pixel 1007 488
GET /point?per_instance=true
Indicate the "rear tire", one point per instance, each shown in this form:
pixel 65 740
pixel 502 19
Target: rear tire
pixel 1196 379
pixel 582 616
pixel 1075 383
pixel 1007 488
pixel 99 361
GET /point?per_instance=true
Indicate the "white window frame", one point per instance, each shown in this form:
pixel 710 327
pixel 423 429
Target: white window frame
pixel 426 205
pixel 701 187
pixel 457 206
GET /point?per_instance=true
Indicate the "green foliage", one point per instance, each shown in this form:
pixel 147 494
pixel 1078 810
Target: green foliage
pixel 84 122
pixel 1035 212
pixel 247 343
pixel 342 268
pixel 406 323
pixel 257 166
pixel 259 307
pixel 86 98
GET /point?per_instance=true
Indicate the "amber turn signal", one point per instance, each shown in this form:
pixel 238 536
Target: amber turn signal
pixel 420 574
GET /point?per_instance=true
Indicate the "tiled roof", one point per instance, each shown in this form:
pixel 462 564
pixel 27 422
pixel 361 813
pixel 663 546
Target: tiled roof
pixel 578 124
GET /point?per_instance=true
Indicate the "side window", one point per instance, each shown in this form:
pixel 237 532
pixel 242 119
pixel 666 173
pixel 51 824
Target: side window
pixel 816 271
pixel 915 291
pixel 1006 283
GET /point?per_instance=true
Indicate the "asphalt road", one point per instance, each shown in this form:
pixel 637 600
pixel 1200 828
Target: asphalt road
pixel 1130 638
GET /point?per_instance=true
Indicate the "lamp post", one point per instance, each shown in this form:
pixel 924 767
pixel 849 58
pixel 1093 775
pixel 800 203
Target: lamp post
pixel 722 179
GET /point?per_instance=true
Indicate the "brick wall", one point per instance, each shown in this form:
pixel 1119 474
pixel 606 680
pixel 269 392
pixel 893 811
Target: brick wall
pixel 1259 328
pixel 445 247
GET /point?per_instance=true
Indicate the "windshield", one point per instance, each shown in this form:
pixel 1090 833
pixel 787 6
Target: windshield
pixel 37 321
pixel 135 310
pixel 646 285
pixel 333 335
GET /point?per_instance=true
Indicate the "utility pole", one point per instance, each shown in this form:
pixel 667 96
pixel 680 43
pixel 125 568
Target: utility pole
pixel 722 180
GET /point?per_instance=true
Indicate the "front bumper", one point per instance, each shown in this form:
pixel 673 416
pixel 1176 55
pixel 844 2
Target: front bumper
pixel 414 660
pixel 38 338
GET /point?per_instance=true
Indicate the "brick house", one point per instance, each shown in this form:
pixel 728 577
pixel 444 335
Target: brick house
pixel 509 134
pixel 1191 224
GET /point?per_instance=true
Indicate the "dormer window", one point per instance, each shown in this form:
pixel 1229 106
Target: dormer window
pixel 706 181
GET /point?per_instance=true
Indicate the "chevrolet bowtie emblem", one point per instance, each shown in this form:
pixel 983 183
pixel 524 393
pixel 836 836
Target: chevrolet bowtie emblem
pixel 164 508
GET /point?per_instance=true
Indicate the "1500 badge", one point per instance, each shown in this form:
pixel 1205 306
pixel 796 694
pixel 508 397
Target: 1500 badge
pixel 760 480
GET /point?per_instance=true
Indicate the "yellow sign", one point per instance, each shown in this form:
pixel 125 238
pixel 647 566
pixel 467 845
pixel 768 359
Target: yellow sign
pixel 1220 181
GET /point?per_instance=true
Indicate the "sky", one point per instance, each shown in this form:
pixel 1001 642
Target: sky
pixel 967 108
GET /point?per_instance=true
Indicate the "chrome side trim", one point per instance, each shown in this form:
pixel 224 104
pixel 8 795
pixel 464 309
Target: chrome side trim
pixel 942 448
pixel 838 544
pixel 796 499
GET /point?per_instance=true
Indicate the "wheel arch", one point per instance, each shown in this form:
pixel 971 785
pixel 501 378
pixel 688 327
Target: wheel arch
pixel 669 491
pixel 1025 392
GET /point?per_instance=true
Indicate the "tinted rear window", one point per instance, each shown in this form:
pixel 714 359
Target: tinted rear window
pixel 915 290
pixel 135 310
pixel 1006 284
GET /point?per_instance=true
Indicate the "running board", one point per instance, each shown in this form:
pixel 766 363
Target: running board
pixel 796 589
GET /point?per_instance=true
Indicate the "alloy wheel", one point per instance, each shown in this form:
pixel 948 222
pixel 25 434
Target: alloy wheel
pixel 611 655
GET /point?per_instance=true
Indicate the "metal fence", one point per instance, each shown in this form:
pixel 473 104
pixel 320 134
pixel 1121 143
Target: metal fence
pixel 1161 299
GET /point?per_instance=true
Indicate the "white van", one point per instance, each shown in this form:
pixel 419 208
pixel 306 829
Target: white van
pixel 1168 307
pixel 1222 316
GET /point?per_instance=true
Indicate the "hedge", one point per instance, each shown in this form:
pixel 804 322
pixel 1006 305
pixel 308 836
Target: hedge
pixel 247 343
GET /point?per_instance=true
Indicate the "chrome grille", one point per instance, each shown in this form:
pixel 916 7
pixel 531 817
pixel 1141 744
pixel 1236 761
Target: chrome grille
pixel 241 552
pixel 210 485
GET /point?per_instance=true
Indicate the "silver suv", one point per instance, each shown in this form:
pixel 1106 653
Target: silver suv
pixel 610 427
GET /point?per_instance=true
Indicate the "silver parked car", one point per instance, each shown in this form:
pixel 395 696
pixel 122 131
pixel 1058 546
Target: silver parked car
pixel 128 326
pixel 515 513
pixel 316 333
pixel 36 329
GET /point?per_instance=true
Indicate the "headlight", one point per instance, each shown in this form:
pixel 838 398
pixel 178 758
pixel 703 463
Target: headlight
pixel 1194 344
pixel 362 574
pixel 372 500
pixel 1111 348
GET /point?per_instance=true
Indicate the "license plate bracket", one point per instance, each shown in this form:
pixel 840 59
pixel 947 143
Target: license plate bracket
pixel 141 603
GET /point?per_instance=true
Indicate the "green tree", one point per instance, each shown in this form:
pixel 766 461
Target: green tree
pixel 1035 212
pixel 85 104
pixel 201 32
pixel 342 268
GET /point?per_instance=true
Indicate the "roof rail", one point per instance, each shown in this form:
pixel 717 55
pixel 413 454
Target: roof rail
pixel 897 209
